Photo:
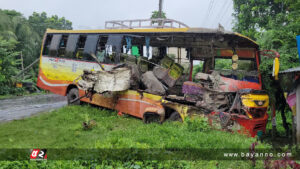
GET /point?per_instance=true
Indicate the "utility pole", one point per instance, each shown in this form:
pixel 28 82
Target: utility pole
pixel 160 8
pixel 22 62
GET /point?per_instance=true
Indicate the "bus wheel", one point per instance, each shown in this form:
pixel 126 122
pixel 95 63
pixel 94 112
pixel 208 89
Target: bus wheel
pixel 72 95
pixel 175 116
pixel 151 117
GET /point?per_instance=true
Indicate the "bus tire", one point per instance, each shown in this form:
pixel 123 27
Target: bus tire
pixel 150 117
pixel 72 95
pixel 175 116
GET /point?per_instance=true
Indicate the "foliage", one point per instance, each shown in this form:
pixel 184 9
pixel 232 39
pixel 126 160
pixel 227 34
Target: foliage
pixel 196 69
pixel 198 124
pixel 26 35
pixel 221 64
pixel 16 27
pixel 155 15
pixel 274 24
pixel 40 22
pixel 110 164
pixel 8 65
pixel 255 15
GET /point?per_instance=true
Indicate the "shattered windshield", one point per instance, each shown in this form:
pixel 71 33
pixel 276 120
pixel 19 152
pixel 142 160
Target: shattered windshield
pixel 246 69
pixel 226 64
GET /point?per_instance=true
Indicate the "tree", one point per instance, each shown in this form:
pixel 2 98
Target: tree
pixel 18 33
pixel 254 15
pixel 13 26
pixel 8 65
pixel 155 15
pixel 40 22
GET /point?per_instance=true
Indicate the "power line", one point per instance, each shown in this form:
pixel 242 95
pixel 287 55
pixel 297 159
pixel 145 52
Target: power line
pixel 220 12
pixel 208 11
pixel 227 8
pixel 212 7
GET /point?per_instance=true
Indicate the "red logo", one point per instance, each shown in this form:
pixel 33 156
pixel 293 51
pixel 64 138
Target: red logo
pixel 38 154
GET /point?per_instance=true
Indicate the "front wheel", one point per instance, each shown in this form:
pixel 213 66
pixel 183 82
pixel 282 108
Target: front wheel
pixel 73 96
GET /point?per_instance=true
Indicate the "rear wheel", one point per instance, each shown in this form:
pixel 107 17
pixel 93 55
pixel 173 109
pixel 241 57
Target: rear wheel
pixel 175 116
pixel 151 117
pixel 72 95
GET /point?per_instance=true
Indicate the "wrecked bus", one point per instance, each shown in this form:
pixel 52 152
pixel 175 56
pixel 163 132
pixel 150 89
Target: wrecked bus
pixel 227 88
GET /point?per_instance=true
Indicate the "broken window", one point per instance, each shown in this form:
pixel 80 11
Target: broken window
pixel 246 65
pixel 100 51
pixel 221 64
pixel 149 54
pixel 54 45
pixel 246 69
pixel 80 47
pixel 197 67
pixel 114 47
pixel 71 46
pixel 62 46
pixel 90 47
pixel 47 45
pixel 207 66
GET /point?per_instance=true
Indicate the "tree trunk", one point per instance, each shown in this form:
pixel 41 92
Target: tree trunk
pixel 284 123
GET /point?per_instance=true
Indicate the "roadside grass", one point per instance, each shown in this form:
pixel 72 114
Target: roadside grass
pixel 62 128
pixel 279 125
pixel 280 139
pixel 22 94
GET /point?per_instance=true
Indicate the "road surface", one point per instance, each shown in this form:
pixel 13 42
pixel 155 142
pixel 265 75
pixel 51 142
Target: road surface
pixel 25 106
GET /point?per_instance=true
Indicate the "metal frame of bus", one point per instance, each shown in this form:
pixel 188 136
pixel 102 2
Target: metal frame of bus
pixel 141 104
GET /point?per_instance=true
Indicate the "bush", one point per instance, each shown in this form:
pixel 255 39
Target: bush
pixel 198 124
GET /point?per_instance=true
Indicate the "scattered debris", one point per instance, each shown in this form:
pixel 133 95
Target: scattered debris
pixel 169 72
pixel 128 76
pixel 88 125
pixel 205 97
pixel 152 84
pixel 135 77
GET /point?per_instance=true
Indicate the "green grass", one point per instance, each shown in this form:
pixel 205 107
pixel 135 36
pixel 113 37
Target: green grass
pixel 280 129
pixel 62 128
pixel 21 94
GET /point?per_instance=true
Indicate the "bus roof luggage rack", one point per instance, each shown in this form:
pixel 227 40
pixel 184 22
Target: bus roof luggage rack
pixel 144 23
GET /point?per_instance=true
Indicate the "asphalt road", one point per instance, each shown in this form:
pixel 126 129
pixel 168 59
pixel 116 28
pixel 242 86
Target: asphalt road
pixel 25 106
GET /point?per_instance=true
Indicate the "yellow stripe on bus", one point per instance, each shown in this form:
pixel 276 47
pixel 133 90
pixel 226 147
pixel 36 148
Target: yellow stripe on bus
pixel 119 30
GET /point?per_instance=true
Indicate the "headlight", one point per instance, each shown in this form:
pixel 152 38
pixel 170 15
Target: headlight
pixel 259 102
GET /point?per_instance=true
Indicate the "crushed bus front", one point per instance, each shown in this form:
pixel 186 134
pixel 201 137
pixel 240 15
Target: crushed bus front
pixel 255 105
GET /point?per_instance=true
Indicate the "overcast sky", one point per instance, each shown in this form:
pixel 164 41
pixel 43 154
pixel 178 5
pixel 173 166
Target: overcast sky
pixel 92 14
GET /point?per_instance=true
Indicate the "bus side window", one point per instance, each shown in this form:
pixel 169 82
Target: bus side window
pixel 80 47
pixel 71 46
pixel 114 43
pixel 90 47
pixel 100 51
pixel 47 45
pixel 54 45
pixel 62 46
